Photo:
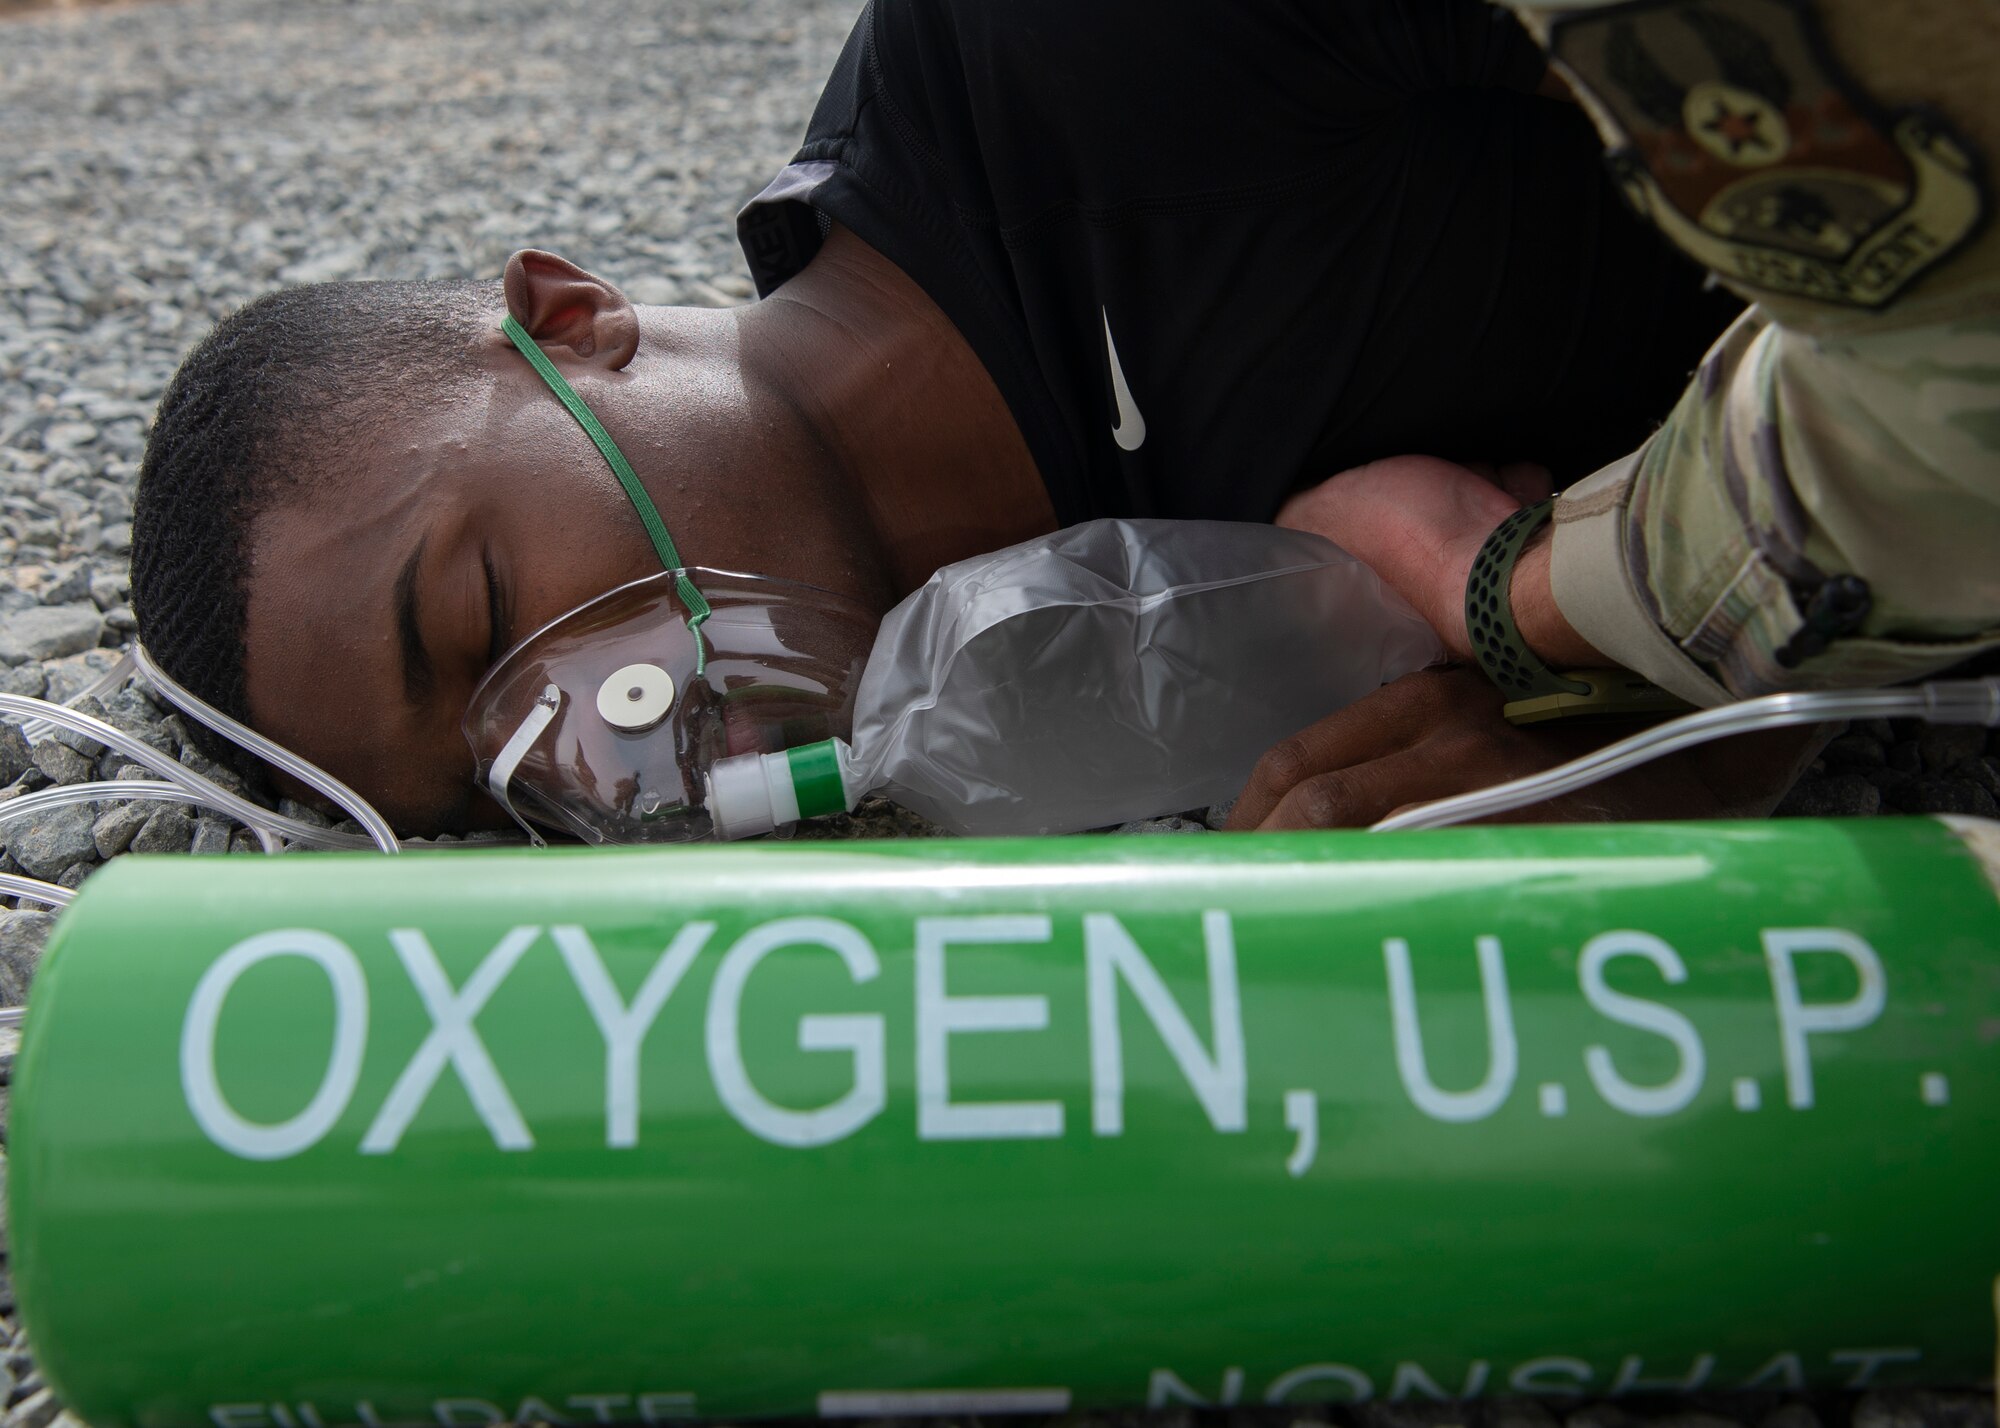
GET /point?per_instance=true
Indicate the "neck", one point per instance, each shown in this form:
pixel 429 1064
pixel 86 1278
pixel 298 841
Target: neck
pixel 896 395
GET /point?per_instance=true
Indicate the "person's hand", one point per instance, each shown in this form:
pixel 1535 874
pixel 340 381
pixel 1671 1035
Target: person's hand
pixel 1418 522
pixel 1439 732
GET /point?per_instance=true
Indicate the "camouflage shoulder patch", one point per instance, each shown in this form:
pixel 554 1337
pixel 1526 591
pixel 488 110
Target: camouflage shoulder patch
pixel 1751 148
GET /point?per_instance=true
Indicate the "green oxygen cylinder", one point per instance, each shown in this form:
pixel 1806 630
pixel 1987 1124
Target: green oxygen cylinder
pixel 949 1127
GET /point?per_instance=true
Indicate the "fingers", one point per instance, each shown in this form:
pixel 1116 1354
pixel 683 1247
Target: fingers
pixel 1363 794
pixel 1397 717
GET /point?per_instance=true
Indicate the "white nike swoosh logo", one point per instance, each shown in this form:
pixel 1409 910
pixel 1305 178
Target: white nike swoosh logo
pixel 1130 430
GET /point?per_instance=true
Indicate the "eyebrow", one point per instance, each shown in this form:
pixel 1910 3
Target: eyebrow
pixel 419 677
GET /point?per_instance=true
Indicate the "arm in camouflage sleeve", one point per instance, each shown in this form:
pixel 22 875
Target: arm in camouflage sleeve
pixel 1850 423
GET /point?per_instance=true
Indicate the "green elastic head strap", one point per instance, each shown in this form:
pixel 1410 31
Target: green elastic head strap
pixel 649 515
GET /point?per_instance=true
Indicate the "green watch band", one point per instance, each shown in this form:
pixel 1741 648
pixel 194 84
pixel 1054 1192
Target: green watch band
pixel 1489 615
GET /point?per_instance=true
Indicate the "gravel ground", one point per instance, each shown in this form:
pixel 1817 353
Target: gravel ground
pixel 166 163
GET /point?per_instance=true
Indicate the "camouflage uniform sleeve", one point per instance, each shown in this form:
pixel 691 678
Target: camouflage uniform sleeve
pixel 1790 458
pixel 1849 423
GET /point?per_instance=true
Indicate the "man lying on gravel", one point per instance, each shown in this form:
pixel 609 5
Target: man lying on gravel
pixel 1033 265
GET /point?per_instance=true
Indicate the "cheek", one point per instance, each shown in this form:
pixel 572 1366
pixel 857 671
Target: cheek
pixel 569 561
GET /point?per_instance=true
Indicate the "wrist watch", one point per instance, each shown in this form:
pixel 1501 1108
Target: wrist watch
pixel 1535 693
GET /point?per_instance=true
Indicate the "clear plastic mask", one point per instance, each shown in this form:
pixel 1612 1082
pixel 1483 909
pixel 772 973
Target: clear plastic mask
pixel 602 724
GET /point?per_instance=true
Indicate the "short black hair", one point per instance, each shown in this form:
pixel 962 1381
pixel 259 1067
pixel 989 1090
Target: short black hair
pixel 268 407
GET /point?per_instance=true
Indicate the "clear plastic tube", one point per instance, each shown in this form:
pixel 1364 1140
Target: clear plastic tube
pixel 205 790
pixel 35 890
pixel 38 729
pixel 1955 701
pixel 310 774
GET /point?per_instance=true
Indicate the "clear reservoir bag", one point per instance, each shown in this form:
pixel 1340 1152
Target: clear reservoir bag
pixel 1115 670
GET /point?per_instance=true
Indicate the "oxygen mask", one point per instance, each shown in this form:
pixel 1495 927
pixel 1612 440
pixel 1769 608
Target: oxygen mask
pixel 606 722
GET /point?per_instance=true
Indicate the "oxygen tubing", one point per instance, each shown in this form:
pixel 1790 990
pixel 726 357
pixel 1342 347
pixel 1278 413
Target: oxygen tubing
pixel 310 774
pixel 134 788
pixel 206 791
pixel 1955 701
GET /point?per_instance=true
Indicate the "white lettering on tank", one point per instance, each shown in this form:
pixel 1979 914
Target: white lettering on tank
pixel 940 1015
pixel 1164 1386
pixel 1866 1361
pixel 238 1415
pixel 1358 1385
pixel 663 1407
pixel 1218 1077
pixel 1410 1380
pixel 1503 1056
pixel 857 1033
pixel 1678 1090
pixel 1532 1377
pixel 452 1041
pixel 1628 1380
pixel 199 1084
pixel 1796 1020
pixel 624 1027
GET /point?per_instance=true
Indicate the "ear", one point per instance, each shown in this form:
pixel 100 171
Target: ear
pixel 563 306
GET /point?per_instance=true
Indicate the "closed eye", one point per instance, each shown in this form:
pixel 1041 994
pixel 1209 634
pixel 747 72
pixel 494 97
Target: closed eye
pixel 496 613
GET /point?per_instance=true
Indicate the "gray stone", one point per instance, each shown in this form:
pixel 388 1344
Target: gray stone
pixel 1949 795
pixel 1893 784
pixel 38 1410
pixel 26 679
pixel 70 738
pixel 116 538
pixel 1841 795
pixel 1984 771
pixel 10 1047
pixel 1510 1413
pixel 108 589
pixel 30 781
pixel 1923 1408
pixel 1854 751
pixel 15 755
pixel 209 769
pixel 303 812
pixel 22 937
pixel 1162 825
pixel 47 632
pixel 67 584
pixel 1217 817
pixel 62 763
pixel 72 877
pixel 1943 747
pixel 1904 757
pixel 69 676
pixel 170 830
pixel 211 835
pixel 54 840
pixel 118 825
pixel 1600 1415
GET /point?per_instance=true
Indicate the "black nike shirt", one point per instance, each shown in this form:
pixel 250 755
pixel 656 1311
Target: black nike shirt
pixel 1211 253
